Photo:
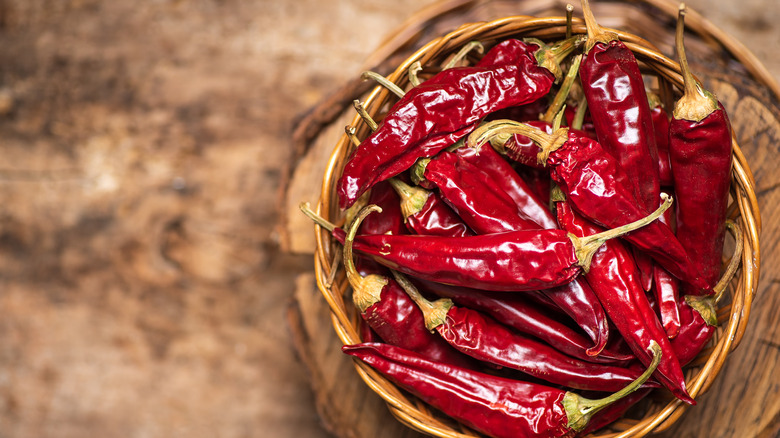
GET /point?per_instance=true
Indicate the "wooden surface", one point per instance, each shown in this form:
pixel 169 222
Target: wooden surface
pixel 143 291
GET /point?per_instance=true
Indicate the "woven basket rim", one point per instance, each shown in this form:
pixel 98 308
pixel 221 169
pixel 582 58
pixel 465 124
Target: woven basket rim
pixel 745 208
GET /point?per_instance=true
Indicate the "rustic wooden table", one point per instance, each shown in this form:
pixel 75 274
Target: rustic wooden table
pixel 143 292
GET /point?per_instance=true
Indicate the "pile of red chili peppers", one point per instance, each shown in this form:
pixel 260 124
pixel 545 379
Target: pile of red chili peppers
pixel 507 261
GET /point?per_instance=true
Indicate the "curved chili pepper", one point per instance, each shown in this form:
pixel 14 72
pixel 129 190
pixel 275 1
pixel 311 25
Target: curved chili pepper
pixel 497 406
pixel 490 261
pixel 614 278
pixel 700 153
pixel 615 91
pixel 530 205
pixel 597 187
pixel 482 200
pixel 433 115
pixel 487 340
pixel 387 309
pixel 667 292
pixel 526 317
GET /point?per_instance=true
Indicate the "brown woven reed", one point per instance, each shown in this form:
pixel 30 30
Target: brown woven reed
pixel 733 314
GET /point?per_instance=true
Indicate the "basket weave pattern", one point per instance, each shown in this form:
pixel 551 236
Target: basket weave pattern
pixel 735 306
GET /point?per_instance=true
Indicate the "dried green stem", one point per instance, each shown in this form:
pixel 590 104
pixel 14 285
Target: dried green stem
pixel 463 52
pixel 434 312
pixel 596 34
pixel 352 134
pixel 733 265
pixel 367 290
pixel 579 115
pixel 705 305
pixel 579 410
pixel 319 220
pixel 551 57
pixel 569 13
pixel 563 93
pixel 586 247
pixel 504 128
pixel 364 114
pixel 413 198
pixel 383 81
pixel 696 103
pixel 415 68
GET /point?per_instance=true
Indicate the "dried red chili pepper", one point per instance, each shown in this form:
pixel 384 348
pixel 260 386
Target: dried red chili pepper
pixel 425 212
pixel 661 129
pixel 487 340
pixel 615 279
pixel 596 185
pixel 615 91
pixel 489 261
pixel 390 221
pixel 527 317
pixel 390 313
pixel 497 406
pixel 700 153
pixel 435 114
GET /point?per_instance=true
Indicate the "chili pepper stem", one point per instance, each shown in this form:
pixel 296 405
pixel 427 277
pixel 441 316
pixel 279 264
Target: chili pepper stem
pixel 465 50
pixel 418 170
pixel 367 290
pixel 550 57
pixel 434 312
pixel 731 269
pixel 383 81
pixel 352 134
pixel 414 69
pixel 586 247
pixel 569 13
pixel 579 410
pixel 705 305
pixel 596 34
pixel 319 220
pixel 563 92
pixel 696 103
pixel 412 198
pixel 365 115
pixel 503 128
pixel 579 115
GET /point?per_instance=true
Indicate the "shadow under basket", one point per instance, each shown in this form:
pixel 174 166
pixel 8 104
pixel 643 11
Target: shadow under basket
pixel 663 74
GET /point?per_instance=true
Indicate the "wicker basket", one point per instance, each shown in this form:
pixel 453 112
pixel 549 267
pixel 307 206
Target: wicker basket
pixel 657 414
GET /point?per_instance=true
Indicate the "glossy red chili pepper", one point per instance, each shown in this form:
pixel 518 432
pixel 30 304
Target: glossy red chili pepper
pixel 527 317
pixel 661 129
pixel 489 261
pixel 698 322
pixel 530 205
pixel 487 340
pixel 538 180
pixel 497 406
pixel 481 199
pixel 390 220
pixel 615 91
pixel 435 114
pixel 387 309
pixel 667 292
pixel 426 213
pixel 700 153
pixel 597 187
pixel 614 278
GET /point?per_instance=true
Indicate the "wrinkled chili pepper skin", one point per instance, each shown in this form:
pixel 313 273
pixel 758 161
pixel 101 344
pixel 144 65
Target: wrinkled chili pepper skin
pixel 487 340
pixel 523 150
pixel 512 261
pixel 615 279
pixel 529 204
pixel 700 153
pixel 666 289
pixel 435 114
pixel 496 406
pixel 600 190
pixel 390 220
pixel 526 317
pixel 398 321
pixel 482 201
pixel 476 196
pixel 661 129
pixel 436 218
pixel 617 101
